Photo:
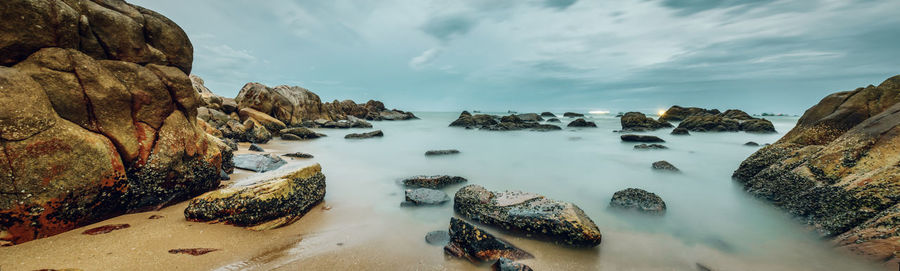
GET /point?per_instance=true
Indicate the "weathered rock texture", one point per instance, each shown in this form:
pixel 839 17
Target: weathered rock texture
pixel 638 122
pixel 838 169
pixel 470 242
pixel 528 213
pixel 638 200
pixel 712 120
pixel 97 116
pixel 263 205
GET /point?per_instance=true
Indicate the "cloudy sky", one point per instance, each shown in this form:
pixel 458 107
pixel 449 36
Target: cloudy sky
pixel 536 55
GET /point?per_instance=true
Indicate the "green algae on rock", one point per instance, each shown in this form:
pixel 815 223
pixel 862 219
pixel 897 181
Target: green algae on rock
pixel 263 205
pixel 528 213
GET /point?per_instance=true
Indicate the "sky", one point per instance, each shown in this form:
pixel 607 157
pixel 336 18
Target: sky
pixel 546 55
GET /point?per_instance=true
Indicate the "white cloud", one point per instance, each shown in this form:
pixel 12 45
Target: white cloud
pixel 421 61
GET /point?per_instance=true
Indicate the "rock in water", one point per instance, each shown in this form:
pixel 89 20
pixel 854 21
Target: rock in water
pixel 546 128
pixel 504 264
pixel 437 238
pixel 752 144
pixel 837 169
pixel 554 120
pixel 98 116
pixel 290 137
pixel 638 200
pixel 256 148
pixel 299 155
pixel 547 114
pixel 263 205
pixel 680 131
pixel 582 123
pixel 572 115
pixel 528 213
pixel 650 147
pixel 530 117
pixel 372 134
pixel 433 182
pixel 441 152
pixel 467 241
pixel 664 165
pixel 301 132
pixel 425 196
pixel 678 113
pixel 636 121
pixel 641 138
pixel 258 162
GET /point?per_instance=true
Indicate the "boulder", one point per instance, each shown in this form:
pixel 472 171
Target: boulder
pixel 441 152
pixel 504 264
pixel 528 213
pixel 547 114
pixel 290 137
pixel 634 199
pixel 256 148
pixel 437 238
pixel 271 124
pixel 470 242
pixel 680 131
pixel 425 196
pixel 572 115
pixel 582 123
pixel 376 133
pixel 262 205
pixel 678 113
pixel 258 162
pixel 255 132
pixel 511 119
pixel 298 155
pixel 555 120
pixel 546 128
pixel 836 170
pixel 736 114
pixel 477 120
pixel 758 126
pixel 98 116
pixel 637 121
pixel 731 121
pixel 301 132
pixel 640 138
pixel 530 117
pixel 664 166
pixel 433 182
pixel 650 147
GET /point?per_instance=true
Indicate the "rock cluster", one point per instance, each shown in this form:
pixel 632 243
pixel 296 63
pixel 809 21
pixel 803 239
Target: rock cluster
pixel 638 122
pixel 506 123
pixel 98 116
pixel 678 113
pixel 837 169
pixel 712 120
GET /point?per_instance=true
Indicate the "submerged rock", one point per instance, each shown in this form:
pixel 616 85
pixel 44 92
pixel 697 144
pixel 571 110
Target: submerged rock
pixel 554 120
pixel 437 238
pixel 641 138
pixel 581 123
pixel 664 165
pixel 299 155
pixel 752 144
pixel 637 121
pixel 425 196
pixel 650 147
pixel 547 114
pixel 441 152
pixel 572 115
pixel 301 132
pixel 376 133
pixel 470 242
pixel 638 200
pixel 504 264
pixel 256 148
pixel 528 213
pixel 263 205
pixel 433 182
pixel 680 131
pixel 258 162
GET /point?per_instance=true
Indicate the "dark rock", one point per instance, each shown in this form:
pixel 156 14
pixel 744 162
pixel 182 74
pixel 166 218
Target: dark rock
pixel 650 147
pixel 547 114
pixel 572 115
pixel 504 264
pixel 224 175
pixel 752 144
pixel 290 137
pixel 637 121
pixel 425 196
pixel 737 114
pixel 546 127
pixel 470 242
pixel 582 123
pixel 105 229
pixel 638 200
pixel 258 162
pixel 640 138
pixel 664 165
pixel 758 126
pixel 299 155
pixel 528 213
pixel 554 120
pixel 437 238
pixel 730 121
pixel 256 148
pixel 678 113
pixel 192 251
pixel 478 120
pixel 264 205
pixel 441 152
pixel 433 182
pixel 680 131
pixel 511 119
pixel 301 132
pixel 376 133
pixel 530 117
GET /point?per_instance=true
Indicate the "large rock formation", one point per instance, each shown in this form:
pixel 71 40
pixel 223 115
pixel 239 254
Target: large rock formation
pixel 712 120
pixel 638 122
pixel 837 169
pixel 97 116
pixel 678 113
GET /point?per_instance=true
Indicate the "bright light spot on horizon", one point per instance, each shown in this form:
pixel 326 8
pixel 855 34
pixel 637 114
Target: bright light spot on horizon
pixel 661 112
pixel 599 112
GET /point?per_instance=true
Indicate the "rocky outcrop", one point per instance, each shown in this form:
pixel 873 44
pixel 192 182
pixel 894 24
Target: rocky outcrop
pixel 678 113
pixel 470 242
pixel 731 121
pixel 640 200
pixel 582 123
pixel 837 169
pixel 376 133
pixel 433 182
pixel 638 122
pixel 528 213
pixel 263 205
pixel 640 138
pixel 511 122
pixel 97 116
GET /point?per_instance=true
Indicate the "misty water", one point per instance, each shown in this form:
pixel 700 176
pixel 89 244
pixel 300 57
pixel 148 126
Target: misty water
pixel 710 219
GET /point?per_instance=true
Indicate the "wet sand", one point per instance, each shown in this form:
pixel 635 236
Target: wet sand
pixel 345 234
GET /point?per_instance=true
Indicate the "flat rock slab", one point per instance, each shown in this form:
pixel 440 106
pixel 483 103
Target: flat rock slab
pixel 528 213
pixel 258 162
pixel 641 138
pixel 470 242
pixel 433 182
pixel 441 152
pixel 377 133
pixel 638 200
pixel 263 205
pixel 299 155
pixel 504 264
pixel 650 147
pixel 425 196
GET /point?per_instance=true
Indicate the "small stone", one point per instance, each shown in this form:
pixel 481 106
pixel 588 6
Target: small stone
pixel 441 152
pixel 751 144
pixel 664 165
pixel 504 264
pixel 258 162
pixel 192 251
pixel 256 148
pixel 641 138
pixel 650 147
pixel 470 242
pixel 291 137
pixel 437 238
pixel 680 131
pixel 425 196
